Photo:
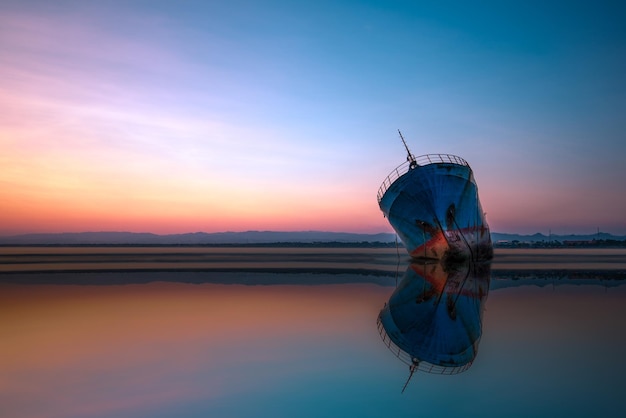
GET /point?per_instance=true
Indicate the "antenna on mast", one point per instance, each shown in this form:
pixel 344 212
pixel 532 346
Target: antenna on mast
pixel 410 157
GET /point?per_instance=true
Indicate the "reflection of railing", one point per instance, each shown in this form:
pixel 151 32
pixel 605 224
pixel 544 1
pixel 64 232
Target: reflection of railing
pixel 421 161
pixel 408 360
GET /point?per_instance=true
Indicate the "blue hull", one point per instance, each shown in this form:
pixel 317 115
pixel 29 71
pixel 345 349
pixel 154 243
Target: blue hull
pixel 433 205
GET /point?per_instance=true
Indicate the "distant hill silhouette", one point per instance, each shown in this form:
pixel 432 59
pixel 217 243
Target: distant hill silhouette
pixel 498 236
pixel 251 238
pixel 196 238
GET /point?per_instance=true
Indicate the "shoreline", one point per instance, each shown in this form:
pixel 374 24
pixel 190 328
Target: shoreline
pixel 125 259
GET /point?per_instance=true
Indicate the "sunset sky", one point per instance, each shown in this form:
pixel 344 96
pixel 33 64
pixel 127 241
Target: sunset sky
pixel 172 117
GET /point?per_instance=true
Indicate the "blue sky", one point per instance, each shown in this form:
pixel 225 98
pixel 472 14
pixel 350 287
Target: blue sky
pixel 187 116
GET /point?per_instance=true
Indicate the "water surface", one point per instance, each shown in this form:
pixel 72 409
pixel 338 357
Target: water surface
pixel 284 344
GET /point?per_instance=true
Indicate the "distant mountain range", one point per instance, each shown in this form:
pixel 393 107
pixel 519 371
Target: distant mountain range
pixel 196 238
pixel 252 237
pixel 497 236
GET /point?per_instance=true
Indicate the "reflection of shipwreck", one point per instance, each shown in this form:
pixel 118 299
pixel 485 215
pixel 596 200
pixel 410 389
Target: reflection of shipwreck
pixel 432 321
pixel 432 203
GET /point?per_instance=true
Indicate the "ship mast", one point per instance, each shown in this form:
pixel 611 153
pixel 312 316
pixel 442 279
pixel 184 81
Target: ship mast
pixel 410 157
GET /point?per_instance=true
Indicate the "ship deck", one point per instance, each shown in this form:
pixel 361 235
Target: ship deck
pixel 421 161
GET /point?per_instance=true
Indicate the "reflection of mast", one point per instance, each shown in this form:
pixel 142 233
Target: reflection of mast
pixel 410 157
pixel 412 369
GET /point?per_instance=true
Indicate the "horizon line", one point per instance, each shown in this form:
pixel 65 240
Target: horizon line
pixel 283 231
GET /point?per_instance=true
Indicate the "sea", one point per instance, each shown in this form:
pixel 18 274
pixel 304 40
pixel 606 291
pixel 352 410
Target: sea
pixel 331 334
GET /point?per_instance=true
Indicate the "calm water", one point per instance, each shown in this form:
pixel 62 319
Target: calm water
pixel 198 344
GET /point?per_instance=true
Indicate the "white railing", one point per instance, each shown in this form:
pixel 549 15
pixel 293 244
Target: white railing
pixel 421 161
pixel 421 365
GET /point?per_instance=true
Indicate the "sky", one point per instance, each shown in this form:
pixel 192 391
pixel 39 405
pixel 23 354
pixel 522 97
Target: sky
pixel 185 116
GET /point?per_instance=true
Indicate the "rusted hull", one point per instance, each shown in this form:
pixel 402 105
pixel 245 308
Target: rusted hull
pixel 436 212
